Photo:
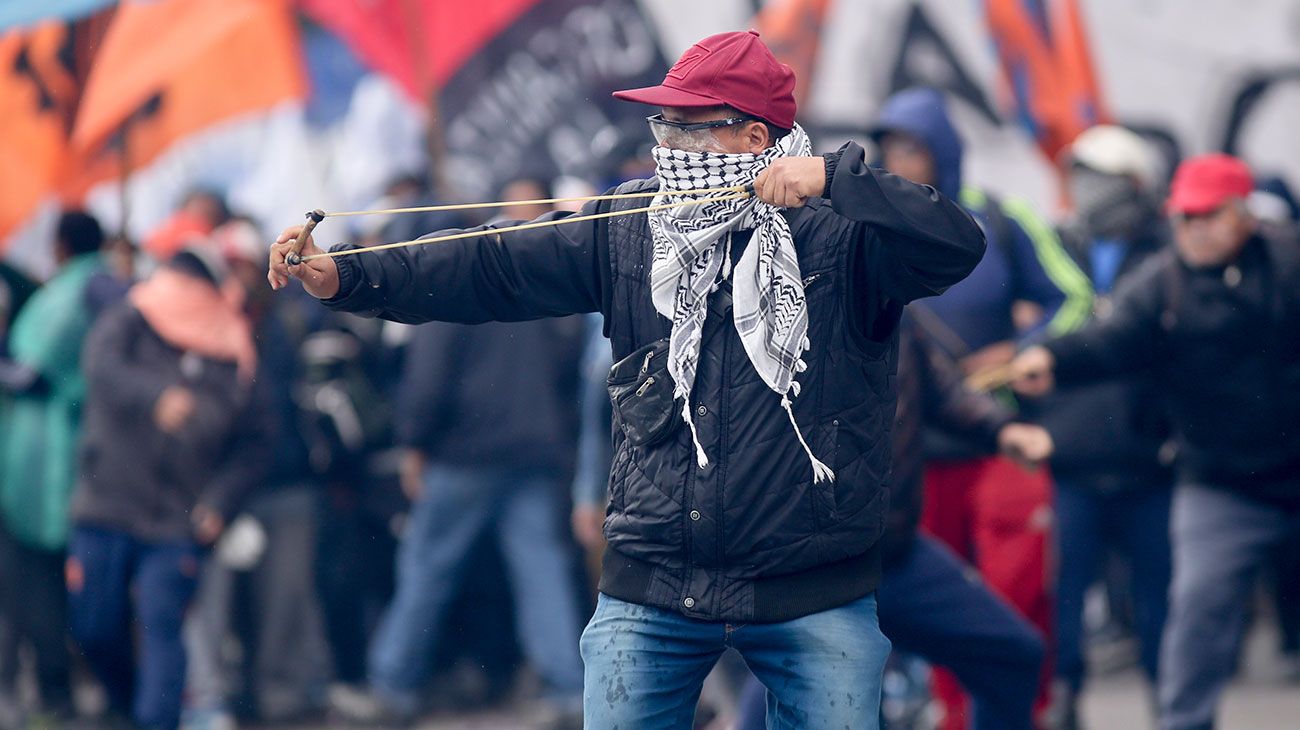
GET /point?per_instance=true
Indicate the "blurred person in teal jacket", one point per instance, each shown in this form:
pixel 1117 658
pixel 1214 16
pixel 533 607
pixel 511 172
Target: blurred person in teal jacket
pixel 37 457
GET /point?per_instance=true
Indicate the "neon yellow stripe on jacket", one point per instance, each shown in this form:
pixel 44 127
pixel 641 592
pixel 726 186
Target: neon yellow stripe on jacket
pixel 1052 256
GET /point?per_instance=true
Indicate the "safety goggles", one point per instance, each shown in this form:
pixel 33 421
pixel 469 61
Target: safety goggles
pixel 690 136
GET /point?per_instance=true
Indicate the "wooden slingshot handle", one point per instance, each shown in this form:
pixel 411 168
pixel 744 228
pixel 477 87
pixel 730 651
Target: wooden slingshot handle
pixel 294 256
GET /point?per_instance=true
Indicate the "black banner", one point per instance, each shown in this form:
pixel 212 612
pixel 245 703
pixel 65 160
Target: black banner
pixel 536 99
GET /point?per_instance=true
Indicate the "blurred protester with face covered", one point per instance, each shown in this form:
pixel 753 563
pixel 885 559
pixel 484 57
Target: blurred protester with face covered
pixel 1215 320
pixel 173 440
pixel 1113 481
pixel 198 214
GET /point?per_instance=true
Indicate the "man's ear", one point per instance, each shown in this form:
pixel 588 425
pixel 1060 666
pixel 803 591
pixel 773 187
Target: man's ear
pixel 756 137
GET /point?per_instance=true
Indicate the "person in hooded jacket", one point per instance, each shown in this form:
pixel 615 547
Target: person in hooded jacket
pixel 990 510
pixel 173 440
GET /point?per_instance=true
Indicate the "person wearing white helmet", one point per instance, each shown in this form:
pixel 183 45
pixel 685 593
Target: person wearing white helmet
pixel 1113 482
pixel 1113 176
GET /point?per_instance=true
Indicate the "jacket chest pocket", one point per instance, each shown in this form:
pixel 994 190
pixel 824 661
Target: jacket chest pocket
pixel 817 282
pixel 819 293
pixel 641 392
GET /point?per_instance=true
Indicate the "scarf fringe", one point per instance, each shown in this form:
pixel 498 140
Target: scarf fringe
pixel 820 470
pixel 700 456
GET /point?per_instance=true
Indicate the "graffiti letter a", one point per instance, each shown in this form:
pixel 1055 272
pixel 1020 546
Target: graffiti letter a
pixel 926 59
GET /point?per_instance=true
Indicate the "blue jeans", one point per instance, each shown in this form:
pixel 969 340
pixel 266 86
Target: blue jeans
pixel 1221 540
pixel 1088 523
pixel 118 580
pixel 458 505
pixel 645 666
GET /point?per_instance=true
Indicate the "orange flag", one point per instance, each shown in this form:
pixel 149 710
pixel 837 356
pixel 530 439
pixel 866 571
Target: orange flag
pixel 793 30
pixel 37 97
pixel 1043 49
pixel 170 68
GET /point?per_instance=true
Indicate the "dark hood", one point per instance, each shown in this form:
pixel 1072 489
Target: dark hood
pixel 923 113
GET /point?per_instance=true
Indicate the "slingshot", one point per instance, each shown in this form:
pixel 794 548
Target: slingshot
pixel 295 257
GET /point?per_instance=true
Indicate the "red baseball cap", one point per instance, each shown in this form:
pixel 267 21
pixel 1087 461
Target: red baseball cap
pixel 1204 183
pixel 736 69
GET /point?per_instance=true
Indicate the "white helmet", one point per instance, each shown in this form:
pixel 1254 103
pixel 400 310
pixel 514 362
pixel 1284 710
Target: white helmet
pixel 1116 151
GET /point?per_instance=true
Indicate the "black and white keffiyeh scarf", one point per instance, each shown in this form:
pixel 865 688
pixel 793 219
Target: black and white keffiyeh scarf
pixel 692 255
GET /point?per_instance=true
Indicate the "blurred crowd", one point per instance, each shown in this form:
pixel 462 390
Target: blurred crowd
pixel 221 505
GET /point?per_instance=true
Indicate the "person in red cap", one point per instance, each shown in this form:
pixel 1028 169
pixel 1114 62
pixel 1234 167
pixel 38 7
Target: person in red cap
pixel 1215 322
pixel 755 341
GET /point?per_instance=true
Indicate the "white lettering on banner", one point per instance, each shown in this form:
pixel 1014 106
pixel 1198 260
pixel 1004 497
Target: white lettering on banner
pixel 538 101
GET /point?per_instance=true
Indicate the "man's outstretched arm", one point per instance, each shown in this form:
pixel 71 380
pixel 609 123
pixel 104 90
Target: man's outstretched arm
pixel 1128 340
pixel 544 272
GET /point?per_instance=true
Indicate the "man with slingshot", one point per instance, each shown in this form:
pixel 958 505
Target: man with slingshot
pixel 753 307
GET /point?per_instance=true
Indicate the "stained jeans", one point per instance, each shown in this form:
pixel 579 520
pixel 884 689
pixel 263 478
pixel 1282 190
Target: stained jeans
pixel 458 505
pixel 645 666
pixel 1087 523
pixel 1220 541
